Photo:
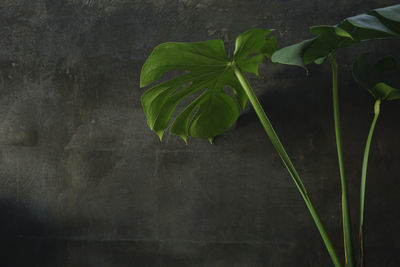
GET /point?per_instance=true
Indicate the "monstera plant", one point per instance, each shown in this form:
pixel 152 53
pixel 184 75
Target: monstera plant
pixel 373 80
pixel 207 91
pixel 207 70
pixel 376 24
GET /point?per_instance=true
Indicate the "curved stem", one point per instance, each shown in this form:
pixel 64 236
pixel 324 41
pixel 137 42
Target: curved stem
pixel 348 247
pixel 364 179
pixel 286 160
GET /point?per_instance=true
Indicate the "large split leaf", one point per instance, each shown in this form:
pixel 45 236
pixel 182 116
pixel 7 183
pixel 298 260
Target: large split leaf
pixel 207 70
pixel 372 77
pixel 377 24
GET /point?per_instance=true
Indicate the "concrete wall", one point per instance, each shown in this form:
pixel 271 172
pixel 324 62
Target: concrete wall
pixel 84 182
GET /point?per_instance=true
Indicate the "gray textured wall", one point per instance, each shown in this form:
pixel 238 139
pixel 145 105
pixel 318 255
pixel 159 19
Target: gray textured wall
pixel 84 182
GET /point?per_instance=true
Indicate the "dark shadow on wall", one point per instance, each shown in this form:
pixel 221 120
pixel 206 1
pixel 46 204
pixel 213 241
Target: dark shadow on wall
pixel 17 245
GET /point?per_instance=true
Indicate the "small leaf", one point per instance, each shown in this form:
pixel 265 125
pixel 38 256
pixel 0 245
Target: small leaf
pixel 371 78
pixel 320 60
pixel 343 33
pixel 206 71
pixel 387 92
pixel 293 54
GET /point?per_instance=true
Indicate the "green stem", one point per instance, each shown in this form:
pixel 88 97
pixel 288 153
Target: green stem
pixel 348 247
pixel 364 179
pixel 286 160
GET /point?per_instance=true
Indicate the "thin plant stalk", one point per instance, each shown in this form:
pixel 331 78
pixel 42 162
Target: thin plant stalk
pixel 288 163
pixel 364 179
pixel 348 247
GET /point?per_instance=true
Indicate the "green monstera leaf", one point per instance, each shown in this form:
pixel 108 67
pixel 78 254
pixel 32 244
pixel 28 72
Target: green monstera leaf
pixel 377 24
pixel 206 71
pixel 371 78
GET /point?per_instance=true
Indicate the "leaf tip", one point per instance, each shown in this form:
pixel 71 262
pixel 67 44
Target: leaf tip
pixel 160 135
pixel 343 33
pixel 184 138
pixel 211 140
pixel 141 83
